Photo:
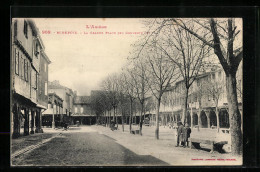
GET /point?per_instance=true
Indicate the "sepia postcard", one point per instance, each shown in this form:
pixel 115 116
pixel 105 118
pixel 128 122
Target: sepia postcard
pixel 126 92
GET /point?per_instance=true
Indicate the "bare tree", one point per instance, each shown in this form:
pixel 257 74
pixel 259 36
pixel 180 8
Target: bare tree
pixel 98 103
pixel 111 88
pixel 225 38
pixel 128 89
pixel 184 51
pixel 160 75
pixel 214 89
pixel 138 74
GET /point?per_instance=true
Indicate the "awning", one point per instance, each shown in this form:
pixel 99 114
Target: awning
pixel 41 106
pixel 48 112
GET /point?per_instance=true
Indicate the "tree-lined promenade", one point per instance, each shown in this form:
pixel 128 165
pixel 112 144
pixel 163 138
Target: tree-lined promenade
pixel 175 49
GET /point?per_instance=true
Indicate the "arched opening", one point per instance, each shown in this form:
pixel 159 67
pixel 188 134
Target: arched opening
pixel 178 117
pixel 213 118
pixel 223 119
pixel 21 113
pixel 204 120
pixel 188 120
pixel 195 119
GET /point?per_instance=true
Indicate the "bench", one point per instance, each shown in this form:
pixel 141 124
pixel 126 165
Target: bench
pixel 215 145
pixel 113 128
pixel 135 131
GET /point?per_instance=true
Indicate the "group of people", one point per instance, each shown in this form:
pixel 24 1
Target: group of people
pixel 183 134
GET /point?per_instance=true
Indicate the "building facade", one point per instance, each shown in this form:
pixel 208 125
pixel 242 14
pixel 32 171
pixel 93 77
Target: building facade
pixel 207 99
pixel 66 94
pixel 53 116
pixel 26 104
pixel 82 111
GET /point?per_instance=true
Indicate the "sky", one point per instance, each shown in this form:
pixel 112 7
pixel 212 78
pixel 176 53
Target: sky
pixel 80 61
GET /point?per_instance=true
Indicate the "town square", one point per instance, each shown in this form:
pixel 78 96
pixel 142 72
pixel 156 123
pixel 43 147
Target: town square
pixel 126 92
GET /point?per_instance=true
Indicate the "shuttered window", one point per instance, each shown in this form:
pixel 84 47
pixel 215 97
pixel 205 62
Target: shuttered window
pixel 25 29
pixel 16 53
pixel 22 66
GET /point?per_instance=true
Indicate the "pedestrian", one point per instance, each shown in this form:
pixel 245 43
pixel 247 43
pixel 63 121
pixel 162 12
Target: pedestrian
pixel 112 125
pixel 180 134
pixel 187 131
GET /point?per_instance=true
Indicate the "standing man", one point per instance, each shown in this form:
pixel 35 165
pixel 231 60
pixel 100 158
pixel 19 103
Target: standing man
pixel 180 134
pixel 187 131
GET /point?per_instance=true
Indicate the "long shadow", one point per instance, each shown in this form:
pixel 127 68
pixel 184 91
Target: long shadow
pixel 133 159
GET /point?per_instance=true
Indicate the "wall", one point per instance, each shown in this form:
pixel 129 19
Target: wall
pixel 20 85
pixel 27 43
pixel 43 77
pixel 86 109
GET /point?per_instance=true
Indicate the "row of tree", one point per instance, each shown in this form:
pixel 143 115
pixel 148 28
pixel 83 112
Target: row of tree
pixel 179 49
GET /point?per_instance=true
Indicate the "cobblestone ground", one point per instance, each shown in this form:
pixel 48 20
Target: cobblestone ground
pixel 84 146
pixel 100 146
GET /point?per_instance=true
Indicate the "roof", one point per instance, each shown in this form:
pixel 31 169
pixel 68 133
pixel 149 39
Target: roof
pixel 54 94
pixel 46 57
pixel 56 85
pixel 36 31
pixel 82 100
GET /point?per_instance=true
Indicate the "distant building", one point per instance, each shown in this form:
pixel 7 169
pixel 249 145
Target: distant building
pixel 66 94
pixel 53 116
pixel 82 111
pixel 27 104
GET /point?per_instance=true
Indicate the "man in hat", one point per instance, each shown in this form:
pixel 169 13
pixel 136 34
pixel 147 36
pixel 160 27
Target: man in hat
pixel 187 132
pixel 180 134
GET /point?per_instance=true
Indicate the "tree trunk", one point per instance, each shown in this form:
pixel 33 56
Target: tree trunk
pixel 109 120
pixel 199 119
pixel 141 117
pixel 114 115
pixel 130 119
pixel 184 119
pixel 234 114
pixel 123 129
pixel 157 119
pixel 217 115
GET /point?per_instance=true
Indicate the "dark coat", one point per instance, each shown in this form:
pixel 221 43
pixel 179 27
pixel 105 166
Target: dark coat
pixel 187 132
pixel 180 133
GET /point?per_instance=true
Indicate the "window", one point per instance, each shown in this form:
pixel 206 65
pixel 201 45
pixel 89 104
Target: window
pixel 25 29
pixel 45 67
pixel 25 70
pixel 76 110
pixel 46 88
pixel 36 49
pixel 15 29
pixel 34 79
pixel 219 75
pixel 21 66
pixel 213 76
pixel 81 110
pixel 16 62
